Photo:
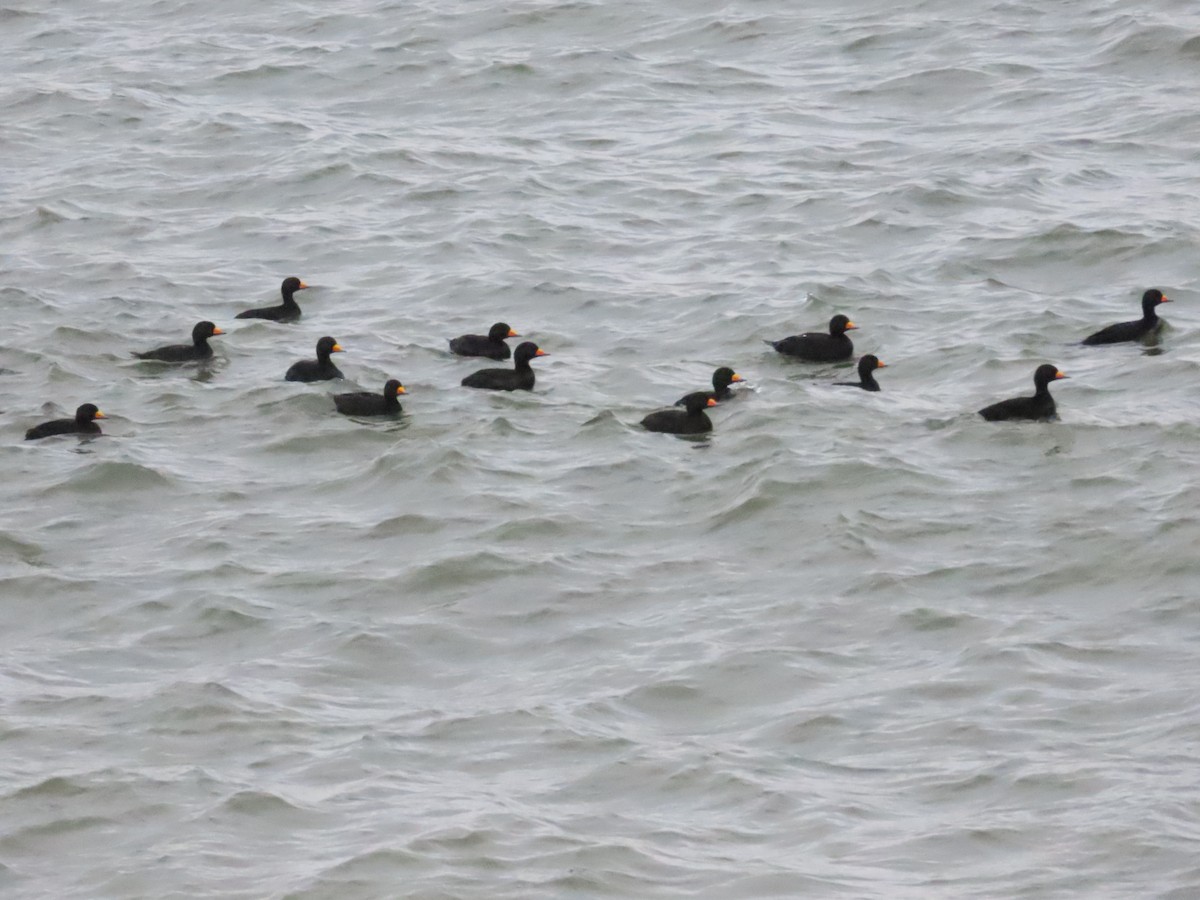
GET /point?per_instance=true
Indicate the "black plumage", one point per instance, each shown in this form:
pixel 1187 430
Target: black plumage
pixel 692 419
pixel 721 380
pixel 364 403
pixel 319 369
pixel 197 349
pixel 814 346
pixel 1136 330
pixel 866 374
pixel 490 345
pixel 1038 407
pixel 518 378
pixel 288 311
pixel 81 424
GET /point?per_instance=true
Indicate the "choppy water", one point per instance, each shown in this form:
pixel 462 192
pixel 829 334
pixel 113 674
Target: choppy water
pixel 512 646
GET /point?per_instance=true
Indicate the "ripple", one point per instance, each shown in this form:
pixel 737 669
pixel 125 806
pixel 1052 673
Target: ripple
pixel 513 646
pixel 259 804
pixel 111 477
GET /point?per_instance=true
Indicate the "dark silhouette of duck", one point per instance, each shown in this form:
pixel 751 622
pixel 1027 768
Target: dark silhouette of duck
pixel 518 378
pixel 866 374
pixel 490 345
pixel 81 424
pixel 197 349
pixel 319 369
pixel 1039 407
pixel 692 419
pixel 814 346
pixel 721 380
pixel 1136 330
pixel 288 311
pixel 364 403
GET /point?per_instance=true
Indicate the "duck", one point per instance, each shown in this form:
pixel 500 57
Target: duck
pixel 364 403
pixel 288 311
pixel 692 419
pixel 518 378
pixel 814 346
pixel 197 349
pixel 82 424
pixel 1136 330
pixel 866 374
pixel 319 369
pixel 1039 407
pixel 490 345
pixel 721 380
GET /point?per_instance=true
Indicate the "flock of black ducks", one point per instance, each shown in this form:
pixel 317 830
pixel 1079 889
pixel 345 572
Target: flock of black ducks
pixel 836 346
pixel 322 368
pixel 818 347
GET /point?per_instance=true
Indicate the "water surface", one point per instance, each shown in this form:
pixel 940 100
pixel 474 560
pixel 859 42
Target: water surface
pixel 852 645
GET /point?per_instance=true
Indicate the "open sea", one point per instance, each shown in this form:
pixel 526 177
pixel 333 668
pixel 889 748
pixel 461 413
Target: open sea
pixel 512 646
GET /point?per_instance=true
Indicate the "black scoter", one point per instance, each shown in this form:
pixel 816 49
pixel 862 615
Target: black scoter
pixel 364 403
pixel 518 378
pixel 319 369
pixel 197 349
pixel 81 424
pixel 692 419
pixel 490 345
pixel 1039 407
pixel 721 380
pixel 1147 325
pixel 817 347
pixel 866 374
pixel 288 311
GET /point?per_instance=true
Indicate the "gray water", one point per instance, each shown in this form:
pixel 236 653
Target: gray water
pixel 852 645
